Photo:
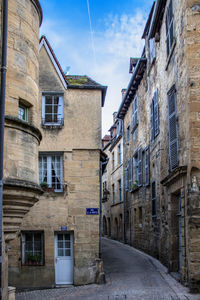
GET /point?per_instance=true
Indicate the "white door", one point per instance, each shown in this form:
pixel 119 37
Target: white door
pixel 64 263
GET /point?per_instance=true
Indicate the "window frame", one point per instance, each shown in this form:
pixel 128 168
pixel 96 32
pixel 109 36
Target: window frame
pixel 26 110
pixel 49 175
pixel 155 116
pixel 135 114
pixel 113 193
pixel 113 160
pixel 60 121
pixel 119 154
pixel 120 189
pixel 24 262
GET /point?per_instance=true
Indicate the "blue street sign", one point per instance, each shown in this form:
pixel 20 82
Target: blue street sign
pixel 64 228
pixel 92 211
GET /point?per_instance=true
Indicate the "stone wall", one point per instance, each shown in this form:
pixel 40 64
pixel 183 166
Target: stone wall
pixel 169 235
pixel 78 142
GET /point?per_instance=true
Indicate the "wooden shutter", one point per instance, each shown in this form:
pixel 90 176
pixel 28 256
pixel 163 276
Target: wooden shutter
pixel 173 129
pixel 140 167
pixel 126 179
pixel 43 110
pixel 152 119
pixel 136 111
pixel 147 167
pixel 156 114
pixel 130 171
pixel 152 50
pixel 133 114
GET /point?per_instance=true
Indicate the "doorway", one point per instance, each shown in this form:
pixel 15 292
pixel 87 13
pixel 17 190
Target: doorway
pixel 64 258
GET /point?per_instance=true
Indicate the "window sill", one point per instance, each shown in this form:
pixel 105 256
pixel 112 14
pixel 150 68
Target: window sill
pixel 170 54
pixel 135 189
pixel 33 265
pixel 52 126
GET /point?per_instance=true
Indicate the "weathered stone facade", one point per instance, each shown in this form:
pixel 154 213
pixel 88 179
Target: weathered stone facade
pixel 112 184
pixel 161 159
pixel 22 137
pixel 61 211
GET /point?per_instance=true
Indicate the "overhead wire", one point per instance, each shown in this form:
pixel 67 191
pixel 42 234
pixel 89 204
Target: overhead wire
pixel 91 33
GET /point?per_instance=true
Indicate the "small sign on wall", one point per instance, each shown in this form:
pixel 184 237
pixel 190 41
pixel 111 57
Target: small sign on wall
pixel 92 211
pixel 63 228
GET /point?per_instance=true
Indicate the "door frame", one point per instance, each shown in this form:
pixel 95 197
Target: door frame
pixel 72 248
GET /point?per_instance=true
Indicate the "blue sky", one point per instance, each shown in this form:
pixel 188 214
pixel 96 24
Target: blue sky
pixel 101 51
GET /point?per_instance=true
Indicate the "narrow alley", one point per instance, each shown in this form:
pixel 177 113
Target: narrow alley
pixel 130 274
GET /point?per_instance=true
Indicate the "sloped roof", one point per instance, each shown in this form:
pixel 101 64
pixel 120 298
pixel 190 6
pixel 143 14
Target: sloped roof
pixel 44 42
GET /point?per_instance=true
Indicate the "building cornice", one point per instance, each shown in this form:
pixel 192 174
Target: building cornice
pixel 18 124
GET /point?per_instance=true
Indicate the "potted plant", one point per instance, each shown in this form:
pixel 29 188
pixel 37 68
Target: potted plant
pixel 33 259
pixel 134 185
pixel 44 185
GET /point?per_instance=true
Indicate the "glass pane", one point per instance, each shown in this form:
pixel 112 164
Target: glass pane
pixel 67 252
pixel 48 109
pixel 67 237
pixel 60 244
pixel 67 244
pixel 60 236
pixel 60 252
pixel 48 100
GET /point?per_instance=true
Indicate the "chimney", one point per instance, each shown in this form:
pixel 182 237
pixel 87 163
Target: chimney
pixel 114 117
pixel 123 91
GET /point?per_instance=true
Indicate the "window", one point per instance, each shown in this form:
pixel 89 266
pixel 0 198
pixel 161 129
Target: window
pixel 146 166
pixel 128 134
pixel 120 190
pixel 113 193
pixel 119 155
pixel 50 171
pixel 32 248
pixel 130 174
pixel 135 113
pixel 153 198
pixel 152 50
pixel 155 117
pixel 169 27
pixel 119 127
pixel 23 112
pixel 173 128
pixel 138 168
pixel 52 109
pixel 113 160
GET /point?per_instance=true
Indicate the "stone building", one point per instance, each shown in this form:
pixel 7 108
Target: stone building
pixel 161 108
pixel 22 135
pixel 112 182
pixel 58 241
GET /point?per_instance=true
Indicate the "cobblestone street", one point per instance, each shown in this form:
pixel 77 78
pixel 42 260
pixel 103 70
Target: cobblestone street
pixel 130 274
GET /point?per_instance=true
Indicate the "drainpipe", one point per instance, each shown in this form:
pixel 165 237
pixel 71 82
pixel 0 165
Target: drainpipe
pixel 124 194
pixel 2 113
pixel 100 214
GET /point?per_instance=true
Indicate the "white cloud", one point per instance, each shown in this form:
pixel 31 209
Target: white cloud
pixel 114 46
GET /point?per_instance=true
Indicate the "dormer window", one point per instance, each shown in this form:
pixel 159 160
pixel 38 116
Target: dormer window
pixel 52 109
